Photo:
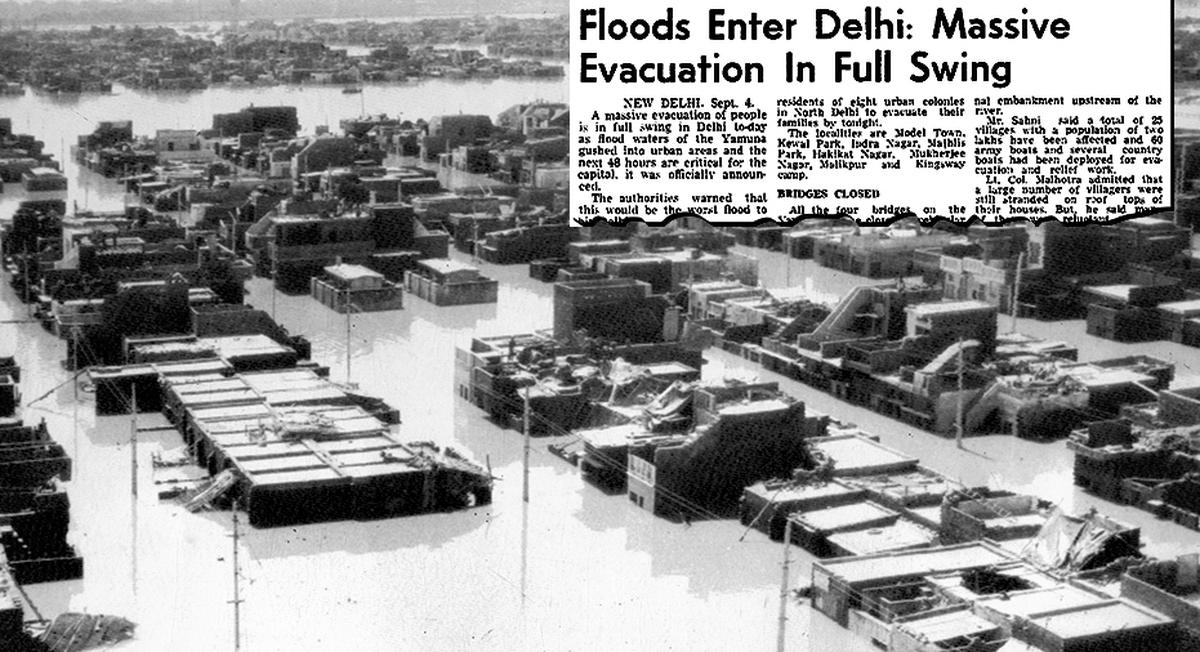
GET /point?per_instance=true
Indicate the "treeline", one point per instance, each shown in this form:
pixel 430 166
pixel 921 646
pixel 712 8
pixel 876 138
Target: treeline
pixel 74 12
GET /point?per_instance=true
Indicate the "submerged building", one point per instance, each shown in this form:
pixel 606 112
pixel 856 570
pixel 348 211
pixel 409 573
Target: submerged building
pixel 294 243
pixel 978 596
pixel 738 439
pixel 900 352
pixel 354 288
pixel 1157 469
pixel 563 381
pixel 446 282
pixel 291 447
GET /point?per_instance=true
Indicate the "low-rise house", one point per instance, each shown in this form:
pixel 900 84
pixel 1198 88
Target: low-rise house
pixel 354 288
pixel 43 179
pixel 704 472
pixel 446 282
pixel 978 596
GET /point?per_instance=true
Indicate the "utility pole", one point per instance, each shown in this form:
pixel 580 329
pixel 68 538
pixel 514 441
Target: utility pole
pixel 475 242
pixel 525 504
pixel 133 441
pixel 958 439
pixel 26 259
pixel 780 641
pixel 75 403
pixel 525 481
pixel 1016 292
pixel 274 280
pixel 347 305
pixel 237 583
pixel 524 551
pixel 133 484
pixel 75 360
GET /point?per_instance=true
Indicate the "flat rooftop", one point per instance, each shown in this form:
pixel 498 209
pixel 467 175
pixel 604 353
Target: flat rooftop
pixel 801 493
pixel 945 307
pixel 1008 347
pixel 342 423
pixel 719 286
pixel 1100 619
pixel 446 265
pixel 906 486
pixel 348 272
pixel 1119 292
pixel 901 535
pixel 855 570
pixel 308 462
pixel 667 368
pixel 610 436
pixel 211 414
pixel 844 517
pixel 312 217
pixel 45 172
pixel 948 626
pixel 1182 308
pixel 186 368
pixel 687 256
pixel 1092 377
pixel 931 514
pixel 229 346
pixel 1036 601
pixel 753 407
pixel 315 445
pixel 855 455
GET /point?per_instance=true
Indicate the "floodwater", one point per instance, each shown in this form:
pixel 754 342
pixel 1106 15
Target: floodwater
pixel 574 569
pixel 592 572
pixel 59 120
pixel 596 574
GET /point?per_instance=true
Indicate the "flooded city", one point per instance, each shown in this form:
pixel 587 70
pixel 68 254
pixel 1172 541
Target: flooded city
pixel 312 353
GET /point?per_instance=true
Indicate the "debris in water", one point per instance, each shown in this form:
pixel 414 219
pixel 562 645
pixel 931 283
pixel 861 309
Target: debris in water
pixel 74 631
pixel 219 486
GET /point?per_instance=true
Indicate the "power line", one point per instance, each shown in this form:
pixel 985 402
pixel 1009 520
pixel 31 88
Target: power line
pixel 557 430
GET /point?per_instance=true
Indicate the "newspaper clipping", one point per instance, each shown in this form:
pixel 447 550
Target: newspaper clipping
pixel 755 111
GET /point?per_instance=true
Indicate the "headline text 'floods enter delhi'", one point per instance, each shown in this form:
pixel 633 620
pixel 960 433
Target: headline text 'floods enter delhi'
pixel 828 24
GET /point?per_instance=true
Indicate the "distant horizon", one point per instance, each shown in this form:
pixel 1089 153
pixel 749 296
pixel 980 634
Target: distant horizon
pixel 36 13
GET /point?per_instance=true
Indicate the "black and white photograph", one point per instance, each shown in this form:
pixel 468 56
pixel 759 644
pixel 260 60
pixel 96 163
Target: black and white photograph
pixel 815 328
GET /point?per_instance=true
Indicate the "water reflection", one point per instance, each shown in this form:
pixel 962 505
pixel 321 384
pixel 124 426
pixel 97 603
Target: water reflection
pixel 456 319
pixel 599 573
pixel 705 554
pixel 424 532
pixel 59 119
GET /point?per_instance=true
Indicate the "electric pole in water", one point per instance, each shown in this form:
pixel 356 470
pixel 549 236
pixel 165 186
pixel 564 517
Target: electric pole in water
pixel 1016 292
pixel 237 583
pixel 25 260
pixel 780 643
pixel 958 438
pixel 525 481
pixel 274 279
pixel 75 360
pixel 133 482
pixel 348 306
pixel 75 403
pixel 525 502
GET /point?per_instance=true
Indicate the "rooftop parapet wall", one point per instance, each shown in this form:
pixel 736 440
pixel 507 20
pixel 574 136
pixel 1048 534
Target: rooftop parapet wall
pixel 1179 406
pixel 1168 586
